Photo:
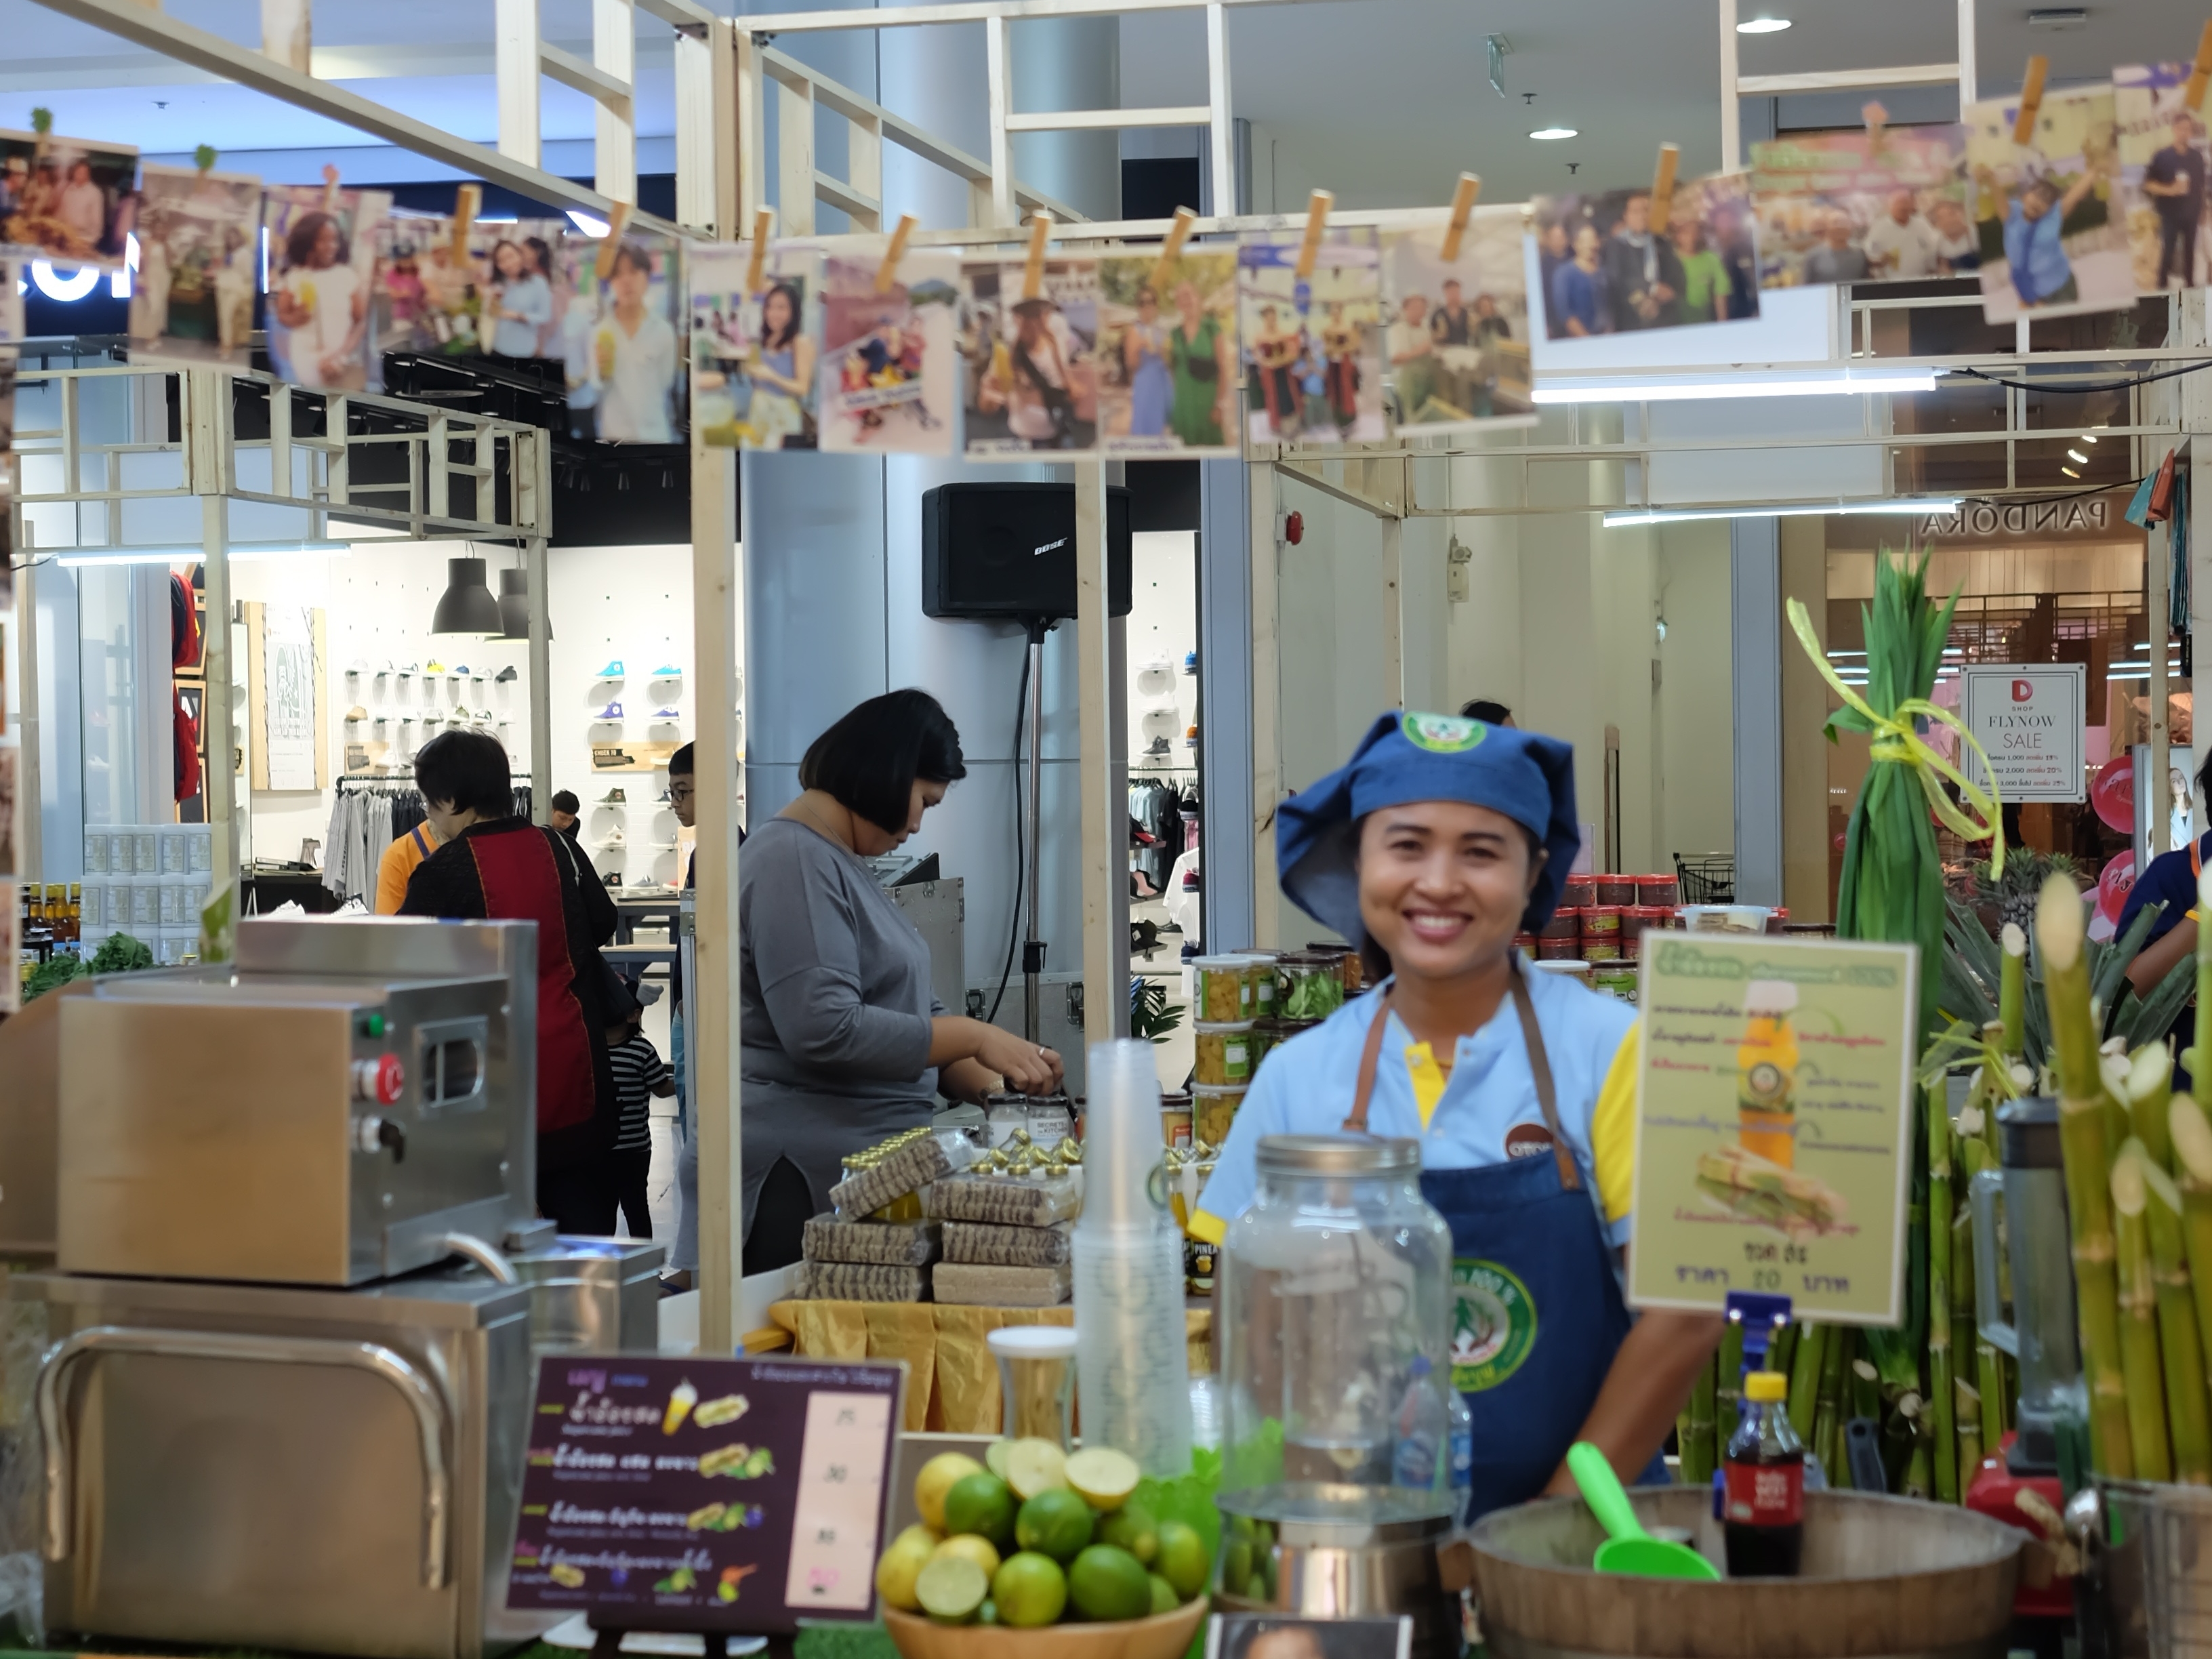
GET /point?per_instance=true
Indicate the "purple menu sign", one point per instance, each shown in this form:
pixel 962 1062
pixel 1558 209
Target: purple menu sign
pixel 733 1495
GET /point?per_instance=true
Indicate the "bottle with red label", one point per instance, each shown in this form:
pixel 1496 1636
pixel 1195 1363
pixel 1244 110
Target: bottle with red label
pixel 1763 1495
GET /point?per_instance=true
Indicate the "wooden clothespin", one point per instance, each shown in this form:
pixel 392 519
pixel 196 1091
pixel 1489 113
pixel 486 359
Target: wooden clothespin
pixel 1178 233
pixel 755 269
pixel 468 200
pixel 2200 72
pixel 204 158
pixel 1033 271
pixel 603 266
pixel 2030 99
pixel 1662 187
pixel 1876 118
pixel 330 188
pixel 1462 209
pixel 1317 207
pixel 887 272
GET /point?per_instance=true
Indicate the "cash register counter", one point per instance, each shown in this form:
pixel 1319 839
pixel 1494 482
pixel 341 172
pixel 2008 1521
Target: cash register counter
pixel 955 1388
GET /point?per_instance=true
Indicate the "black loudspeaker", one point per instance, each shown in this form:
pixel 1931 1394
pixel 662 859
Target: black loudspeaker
pixel 1007 551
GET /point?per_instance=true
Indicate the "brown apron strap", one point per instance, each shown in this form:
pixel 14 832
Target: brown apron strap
pixel 1357 1123
pixel 1539 1066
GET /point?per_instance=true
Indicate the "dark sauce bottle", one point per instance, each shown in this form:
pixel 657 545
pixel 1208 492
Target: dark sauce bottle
pixel 1762 1505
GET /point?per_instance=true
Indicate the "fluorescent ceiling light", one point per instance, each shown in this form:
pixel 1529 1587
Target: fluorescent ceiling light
pixel 1548 133
pixel 1912 505
pixel 247 550
pixel 2069 471
pixel 1762 26
pixel 1655 389
pixel 586 224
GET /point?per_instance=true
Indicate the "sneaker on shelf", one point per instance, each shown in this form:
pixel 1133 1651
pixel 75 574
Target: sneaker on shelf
pixel 613 838
pixel 614 797
pixel 405 671
pixel 611 712
pixel 1157 746
pixel 462 672
pixel 356 715
pixel 356 668
pixel 433 717
pixel 434 667
pixel 458 714
pixel 1190 662
pixel 668 671
pixel 662 846
pixel 613 671
pixel 669 712
pixel 406 721
pixel 383 720
pixel 384 667
pixel 504 675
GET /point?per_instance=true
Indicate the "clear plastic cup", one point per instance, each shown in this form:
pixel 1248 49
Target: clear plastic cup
pixel 1036 1380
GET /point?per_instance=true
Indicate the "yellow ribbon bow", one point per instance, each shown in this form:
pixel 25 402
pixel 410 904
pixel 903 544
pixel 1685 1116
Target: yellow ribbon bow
pixel 1894 739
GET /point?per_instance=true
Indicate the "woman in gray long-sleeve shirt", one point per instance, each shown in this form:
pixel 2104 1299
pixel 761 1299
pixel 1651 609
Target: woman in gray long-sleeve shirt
pixel 842 1043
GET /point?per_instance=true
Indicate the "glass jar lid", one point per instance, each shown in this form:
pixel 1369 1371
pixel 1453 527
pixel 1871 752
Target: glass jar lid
pixel 1336 1155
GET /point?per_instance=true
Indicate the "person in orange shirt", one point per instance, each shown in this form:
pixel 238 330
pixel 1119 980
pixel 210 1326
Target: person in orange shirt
pixel 399 863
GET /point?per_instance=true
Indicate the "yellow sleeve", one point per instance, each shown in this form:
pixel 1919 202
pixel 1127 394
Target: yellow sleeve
pixel 1612 1129
pixel 392 870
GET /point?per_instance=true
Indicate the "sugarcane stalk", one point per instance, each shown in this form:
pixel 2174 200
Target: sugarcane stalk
pixel 2141 1365
pixel 1966 1413
pixel 1805 1378
pixel 1865 1385
pixel 1827 1412
pixel 1915 1468
pixel 2116 1071
pixel 2011 990
pixel 2180 1338
pixel 2082 1132
pixel 1943 1455
pixel 1694 1429
pixel 1728 1386
pixel 1779 1350
pixel 1899 1434
pixel 2150 1087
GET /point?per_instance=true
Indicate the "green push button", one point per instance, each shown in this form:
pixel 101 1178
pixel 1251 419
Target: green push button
pixel 372 1024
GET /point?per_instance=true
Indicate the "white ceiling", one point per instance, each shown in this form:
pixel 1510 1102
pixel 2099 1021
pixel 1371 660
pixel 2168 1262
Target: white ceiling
pixel 1384 101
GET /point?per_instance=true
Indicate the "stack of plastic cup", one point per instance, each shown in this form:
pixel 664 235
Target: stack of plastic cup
pixel 1130 1361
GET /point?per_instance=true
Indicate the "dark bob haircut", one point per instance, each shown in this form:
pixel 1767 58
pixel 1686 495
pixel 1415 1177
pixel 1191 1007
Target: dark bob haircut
pixel 869 761
pixel 680 765
pixel 459 771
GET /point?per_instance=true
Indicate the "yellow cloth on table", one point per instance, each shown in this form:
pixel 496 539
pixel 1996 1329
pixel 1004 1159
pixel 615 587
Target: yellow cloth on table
pixel 953 1380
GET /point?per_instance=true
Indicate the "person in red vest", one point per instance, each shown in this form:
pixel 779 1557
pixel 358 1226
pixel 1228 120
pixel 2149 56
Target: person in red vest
pixel 495 866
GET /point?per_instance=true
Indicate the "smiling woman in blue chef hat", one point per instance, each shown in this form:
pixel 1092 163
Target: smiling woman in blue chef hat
pixel 1441 839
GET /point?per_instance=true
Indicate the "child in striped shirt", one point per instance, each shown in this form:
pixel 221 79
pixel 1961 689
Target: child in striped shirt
pixel 640 1073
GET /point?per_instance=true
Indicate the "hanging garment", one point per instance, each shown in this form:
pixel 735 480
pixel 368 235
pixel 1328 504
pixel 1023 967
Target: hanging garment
pixel 187 735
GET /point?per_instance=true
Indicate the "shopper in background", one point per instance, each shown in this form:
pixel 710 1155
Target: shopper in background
pixel 1489 712
pixel 495 866
pixel 1837 259
pixel 640 1073
pixel 683 1259
pixel 1438 842
pixel 842 1044
pixel 398 863
pixel 1578 299
pixel 563 815
pixel 1900 243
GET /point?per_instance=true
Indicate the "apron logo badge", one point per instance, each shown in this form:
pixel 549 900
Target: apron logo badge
pixel 1493 1324
pixel 1529 1140
pixel 1442 734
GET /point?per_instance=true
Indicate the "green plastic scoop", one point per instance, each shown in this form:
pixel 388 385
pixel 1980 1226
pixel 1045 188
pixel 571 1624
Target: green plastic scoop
pixel 1630 1549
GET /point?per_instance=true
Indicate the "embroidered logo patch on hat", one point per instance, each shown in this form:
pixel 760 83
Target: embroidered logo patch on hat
pixel 1442 734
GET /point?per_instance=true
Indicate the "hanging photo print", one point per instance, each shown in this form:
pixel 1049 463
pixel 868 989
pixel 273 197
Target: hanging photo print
pixel 322 282
pixel 1167 352
pixel 753 349
pixel 617 333
pixel 69 199
pixel 1313 347
pixel 1032 370
pixel 198 266
pixel 2052 244
pixel 2162 176
pixel 1457 337
pixel 889 372
pixel 426 294
pixel 1605 270
pixel 1871 205
pixel 15 273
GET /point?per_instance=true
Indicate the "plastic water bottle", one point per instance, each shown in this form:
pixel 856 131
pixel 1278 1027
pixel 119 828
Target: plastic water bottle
pixel 1131 1366
pixel 1462 1456
pixel 1423 1429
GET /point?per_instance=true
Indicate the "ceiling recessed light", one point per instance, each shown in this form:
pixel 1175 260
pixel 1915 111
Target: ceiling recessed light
pixel 1762 26
pixel 2077 458
pixel 1554 132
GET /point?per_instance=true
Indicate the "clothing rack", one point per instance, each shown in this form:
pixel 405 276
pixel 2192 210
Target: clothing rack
pixel 368 814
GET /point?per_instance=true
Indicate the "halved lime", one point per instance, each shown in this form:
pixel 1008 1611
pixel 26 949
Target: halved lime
pixel 1104 1477
pixel 1036 1465
pixel 951 1587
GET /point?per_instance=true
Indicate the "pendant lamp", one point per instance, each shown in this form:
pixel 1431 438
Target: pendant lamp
pixel 467 606
pixel 514 605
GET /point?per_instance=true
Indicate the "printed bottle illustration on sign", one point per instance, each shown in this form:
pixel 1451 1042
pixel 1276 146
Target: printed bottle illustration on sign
pixel 1766 1072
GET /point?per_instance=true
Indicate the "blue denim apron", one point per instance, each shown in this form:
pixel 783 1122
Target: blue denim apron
pixel 1536 1312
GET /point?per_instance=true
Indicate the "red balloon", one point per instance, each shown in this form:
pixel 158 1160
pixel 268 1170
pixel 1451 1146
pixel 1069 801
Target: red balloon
pixel 2120 875
pixel 2112 792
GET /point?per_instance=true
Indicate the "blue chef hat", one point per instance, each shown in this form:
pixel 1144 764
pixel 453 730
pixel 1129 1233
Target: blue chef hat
pixel 1528 777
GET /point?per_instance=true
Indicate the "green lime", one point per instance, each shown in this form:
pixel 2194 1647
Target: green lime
pixel 1109 1584
pixel 1182 1559
pixel 1164 1599
pixel 1235 1564
pixel 1030 1590
pixel 1055 1523
pixel 1256 1590
pixel 996 1459
pixel 1133 1529
pixel 981 1503
pixel 987 1614
pixel 951 1587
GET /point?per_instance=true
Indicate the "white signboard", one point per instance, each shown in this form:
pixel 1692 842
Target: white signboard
pixel 2029 718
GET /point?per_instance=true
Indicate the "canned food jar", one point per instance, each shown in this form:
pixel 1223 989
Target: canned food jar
pixel 1567 922
pixel 1175 1120
pixel 1525 942
pixel 1596 947
pixel 1658 889
pixel 1213 1108
pixel 1579 892
pixel 1602 919
pixel 1224 1052
pixel 1354 973
pixel 1612 980
pixel 1224 989
pixel 1560 949
pixel 1616 891
pixel 1313 985
pixel 1260 972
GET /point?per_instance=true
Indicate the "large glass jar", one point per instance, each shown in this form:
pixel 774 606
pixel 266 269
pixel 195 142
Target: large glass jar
pixel 1333 1296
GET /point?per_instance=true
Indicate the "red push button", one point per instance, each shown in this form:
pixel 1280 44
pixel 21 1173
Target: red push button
pixel 383 1079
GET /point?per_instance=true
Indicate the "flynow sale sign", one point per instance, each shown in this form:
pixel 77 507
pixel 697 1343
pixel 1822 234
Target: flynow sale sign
pixel 2029 719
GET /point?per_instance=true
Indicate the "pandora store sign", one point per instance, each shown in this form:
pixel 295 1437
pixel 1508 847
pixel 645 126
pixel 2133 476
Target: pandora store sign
pixel 2083 516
